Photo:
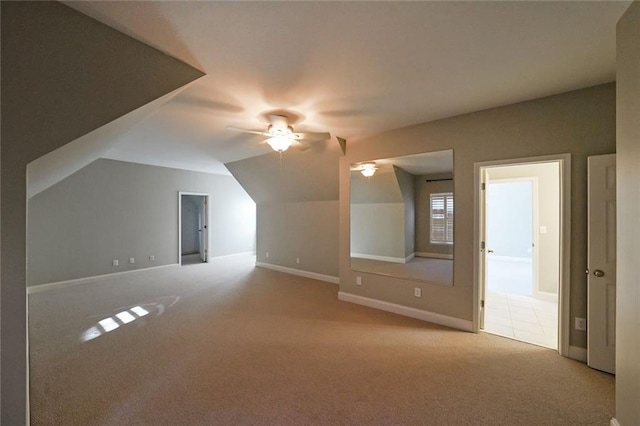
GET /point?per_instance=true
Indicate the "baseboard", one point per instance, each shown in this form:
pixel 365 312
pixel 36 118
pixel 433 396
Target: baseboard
pixel 544 295
pixel 86 280
pixel 381 258
pixel 614 422
pixel 406 311
pixel 408 258
pixel 434 255
pixel 577 353
pixel 299 272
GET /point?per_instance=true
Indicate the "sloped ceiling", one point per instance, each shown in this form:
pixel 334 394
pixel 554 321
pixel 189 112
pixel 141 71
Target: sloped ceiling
pixel 297 176
pixel 351 68
pixel 66 76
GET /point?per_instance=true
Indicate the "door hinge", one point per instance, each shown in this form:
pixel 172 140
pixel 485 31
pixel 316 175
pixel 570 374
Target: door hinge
pixel 482 245
pixel 482 303
pixel 483 186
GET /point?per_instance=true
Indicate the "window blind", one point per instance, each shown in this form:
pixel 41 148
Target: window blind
pixel 441 218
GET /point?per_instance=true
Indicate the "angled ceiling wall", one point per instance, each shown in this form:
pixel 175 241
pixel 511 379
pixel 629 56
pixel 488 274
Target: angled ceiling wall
pixel 299 176
pixel 63 76
pixel 91 75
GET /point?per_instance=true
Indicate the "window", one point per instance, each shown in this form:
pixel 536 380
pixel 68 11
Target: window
pixel 441 218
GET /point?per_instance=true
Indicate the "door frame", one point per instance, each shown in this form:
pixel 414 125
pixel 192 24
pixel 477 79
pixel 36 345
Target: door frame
pixel 564 161
pixel 207 213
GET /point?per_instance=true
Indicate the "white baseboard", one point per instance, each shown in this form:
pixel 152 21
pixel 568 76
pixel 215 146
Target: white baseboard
pixel 406 311
pixel 543 295
pixel 408 258
pixel 577 353
pixel 382 258
pixel 299 272
pixel 614 422
pixel 86 280
pixel 434 255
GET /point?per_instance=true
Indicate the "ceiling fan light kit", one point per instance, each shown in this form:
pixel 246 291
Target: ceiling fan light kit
pixel 368 169
pixel 281 136
pixel 280 143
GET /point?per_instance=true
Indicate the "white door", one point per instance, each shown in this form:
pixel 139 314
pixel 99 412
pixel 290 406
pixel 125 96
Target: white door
pixel 202 228
pixel 601 263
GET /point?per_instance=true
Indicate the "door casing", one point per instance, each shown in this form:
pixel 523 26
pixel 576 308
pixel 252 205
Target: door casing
pixel 564 161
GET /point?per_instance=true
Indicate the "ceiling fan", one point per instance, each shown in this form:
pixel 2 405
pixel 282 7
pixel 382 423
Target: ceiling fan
pixel 367 168
pixel 280 135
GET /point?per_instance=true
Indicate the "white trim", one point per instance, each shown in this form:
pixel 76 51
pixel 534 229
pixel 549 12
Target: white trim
pixel 244 253
pixel 407 311
pixel 434 255
pixel 381 258
pixel 207 213
pixel 408 258
pixel 87 280
pixel 299 272
pixel 564 321
pixel 577 353
pixel 614 422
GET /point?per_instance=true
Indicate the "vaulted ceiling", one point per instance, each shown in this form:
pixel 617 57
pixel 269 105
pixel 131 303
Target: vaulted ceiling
pixel 350 68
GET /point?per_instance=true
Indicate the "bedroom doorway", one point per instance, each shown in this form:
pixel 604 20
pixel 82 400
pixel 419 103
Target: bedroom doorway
pixel 520 261
pixel 193 229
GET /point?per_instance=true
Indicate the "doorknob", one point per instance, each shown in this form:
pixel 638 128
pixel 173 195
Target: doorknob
pixel 490 251
pixel 598 273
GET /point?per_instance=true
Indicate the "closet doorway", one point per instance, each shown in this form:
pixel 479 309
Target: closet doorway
pixel 193 229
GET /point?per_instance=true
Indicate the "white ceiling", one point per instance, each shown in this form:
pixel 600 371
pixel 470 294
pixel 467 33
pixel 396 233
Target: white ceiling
pixel 351 68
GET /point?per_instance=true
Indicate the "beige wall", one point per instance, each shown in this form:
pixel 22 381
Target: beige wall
pixel 63 75
pixel 581 122
pixel 628 247
pixel 304 230
pixel 548 181
pixel 378 231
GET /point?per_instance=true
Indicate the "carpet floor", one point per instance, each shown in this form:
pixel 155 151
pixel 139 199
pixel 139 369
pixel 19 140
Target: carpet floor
pixel 228 343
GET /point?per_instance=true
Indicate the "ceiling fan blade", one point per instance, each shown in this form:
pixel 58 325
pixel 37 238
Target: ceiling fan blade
pixel 312 137
pixel 301 145
pixel 255 132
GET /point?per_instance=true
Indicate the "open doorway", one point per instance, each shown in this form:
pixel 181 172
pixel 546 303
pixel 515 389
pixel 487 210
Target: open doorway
pixel 193 235
pixel 520 266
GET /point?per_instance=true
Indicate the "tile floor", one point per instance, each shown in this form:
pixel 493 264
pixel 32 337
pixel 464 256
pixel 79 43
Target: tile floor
pixel 522 317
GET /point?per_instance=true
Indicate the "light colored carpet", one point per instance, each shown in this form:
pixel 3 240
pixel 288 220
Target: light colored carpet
pixel 227 343
pixel 438 271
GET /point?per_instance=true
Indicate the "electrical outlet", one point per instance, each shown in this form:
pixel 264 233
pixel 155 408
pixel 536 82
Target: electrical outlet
pixel 267 255
pixel 417 292
pixel 132 260
pixel 115 262
pixel 297 260
pixel 152 258
pixel 581 324
pixel 358 280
